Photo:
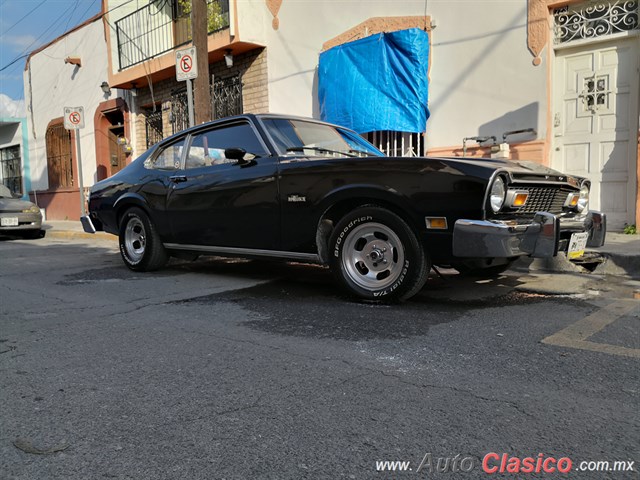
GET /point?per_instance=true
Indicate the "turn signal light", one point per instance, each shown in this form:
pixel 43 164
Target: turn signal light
pixel 436 223
pixel 572 200
pixel 520 199
pixel 516 198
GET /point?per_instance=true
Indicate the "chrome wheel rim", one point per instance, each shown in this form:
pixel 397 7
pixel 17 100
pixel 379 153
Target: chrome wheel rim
pixel 373 256
pixel 135 239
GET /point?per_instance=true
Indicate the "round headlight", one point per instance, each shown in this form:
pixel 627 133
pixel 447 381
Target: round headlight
pixel 583 200
pixel 498 191
pixel 31 209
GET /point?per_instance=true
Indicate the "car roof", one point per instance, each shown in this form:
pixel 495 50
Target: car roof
pixel 244 116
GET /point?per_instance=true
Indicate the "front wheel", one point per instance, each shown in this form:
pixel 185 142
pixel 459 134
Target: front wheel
pixel 140 244
pixel 376 256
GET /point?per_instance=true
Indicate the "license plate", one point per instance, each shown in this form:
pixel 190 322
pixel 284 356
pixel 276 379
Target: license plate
pixel 9 221
pixel 577 244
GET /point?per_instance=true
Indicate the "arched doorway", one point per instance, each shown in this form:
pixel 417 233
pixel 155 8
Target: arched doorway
pixel 112 133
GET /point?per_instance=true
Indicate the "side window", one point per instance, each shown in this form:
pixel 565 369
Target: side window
pixel 169 157
pixel 207 148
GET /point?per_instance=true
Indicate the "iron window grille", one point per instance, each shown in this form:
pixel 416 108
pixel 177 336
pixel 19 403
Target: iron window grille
pixel 153 127
pixel 226 97
pixel 159 27
pixel 397 144
pixel 11 168
pixel 595 19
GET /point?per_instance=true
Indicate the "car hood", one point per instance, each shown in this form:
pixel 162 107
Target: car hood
pixel 524 166
pixel 13 204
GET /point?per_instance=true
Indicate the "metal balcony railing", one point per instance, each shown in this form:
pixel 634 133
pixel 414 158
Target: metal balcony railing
pixel 160 26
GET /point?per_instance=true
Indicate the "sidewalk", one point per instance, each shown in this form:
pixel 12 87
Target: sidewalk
pixel 621 253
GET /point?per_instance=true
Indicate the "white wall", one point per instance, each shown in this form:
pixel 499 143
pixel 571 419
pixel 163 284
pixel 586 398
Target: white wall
pixel 50 85
pixel 482 78
pixel 483 81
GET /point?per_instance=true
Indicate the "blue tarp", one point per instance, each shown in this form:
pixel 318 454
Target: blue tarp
pixel 377 83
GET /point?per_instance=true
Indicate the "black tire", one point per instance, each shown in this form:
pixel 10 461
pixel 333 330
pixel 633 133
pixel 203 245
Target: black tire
pixel 140 244
pixel 376 256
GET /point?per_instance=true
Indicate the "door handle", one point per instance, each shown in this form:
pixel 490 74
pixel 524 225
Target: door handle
pixel 178 178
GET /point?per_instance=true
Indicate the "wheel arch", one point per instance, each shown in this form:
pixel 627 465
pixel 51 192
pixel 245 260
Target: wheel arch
pixel 340 202
pixel 126 201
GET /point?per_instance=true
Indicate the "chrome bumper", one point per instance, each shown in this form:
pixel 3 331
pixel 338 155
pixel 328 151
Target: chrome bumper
pixel 87 224
pixel 540 238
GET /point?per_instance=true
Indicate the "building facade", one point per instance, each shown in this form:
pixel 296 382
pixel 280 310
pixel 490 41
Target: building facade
pixel 71 71
pixel 561 74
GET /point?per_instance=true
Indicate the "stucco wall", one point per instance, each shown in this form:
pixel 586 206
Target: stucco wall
pixel 50 85
pixel 482 78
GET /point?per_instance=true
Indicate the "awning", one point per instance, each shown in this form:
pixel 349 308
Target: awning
pixel 377 83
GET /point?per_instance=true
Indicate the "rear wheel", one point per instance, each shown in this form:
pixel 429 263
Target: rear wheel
pixel 375 255
pixel 140 244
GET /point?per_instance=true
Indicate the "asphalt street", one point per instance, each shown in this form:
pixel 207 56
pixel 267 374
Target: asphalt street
pixel 233 369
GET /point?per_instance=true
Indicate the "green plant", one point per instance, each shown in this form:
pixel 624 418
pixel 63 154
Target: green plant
pixel 630 229
pixel 215 18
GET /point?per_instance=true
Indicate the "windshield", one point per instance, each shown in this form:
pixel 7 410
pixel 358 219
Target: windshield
pixel 317 139
pixel 5 192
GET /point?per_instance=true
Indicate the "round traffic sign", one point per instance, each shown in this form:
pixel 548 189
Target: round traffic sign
pixel 74 117
pixel 186 63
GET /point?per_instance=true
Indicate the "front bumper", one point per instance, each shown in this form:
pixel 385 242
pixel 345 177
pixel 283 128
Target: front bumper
pixel 26 221
pixel 540 238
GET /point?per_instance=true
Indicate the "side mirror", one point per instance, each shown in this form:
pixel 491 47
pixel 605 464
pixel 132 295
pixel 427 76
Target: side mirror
pixel 235 153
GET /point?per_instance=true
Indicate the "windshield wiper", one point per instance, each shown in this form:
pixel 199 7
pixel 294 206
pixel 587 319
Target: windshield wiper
pixel 320 149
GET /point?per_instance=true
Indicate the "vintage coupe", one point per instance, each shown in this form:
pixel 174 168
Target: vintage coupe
pixel 297 189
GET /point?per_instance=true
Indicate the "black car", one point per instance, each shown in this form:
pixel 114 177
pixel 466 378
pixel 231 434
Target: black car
pixel 297 189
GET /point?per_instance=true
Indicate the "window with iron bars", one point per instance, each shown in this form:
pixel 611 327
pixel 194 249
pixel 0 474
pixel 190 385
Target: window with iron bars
pixel 397 144
pixel 226 96
pixel 161 25
pixel 11 169
pixel 153 126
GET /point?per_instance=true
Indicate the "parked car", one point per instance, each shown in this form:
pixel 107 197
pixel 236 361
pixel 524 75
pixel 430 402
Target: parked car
pixel 297 189
pixel 19 217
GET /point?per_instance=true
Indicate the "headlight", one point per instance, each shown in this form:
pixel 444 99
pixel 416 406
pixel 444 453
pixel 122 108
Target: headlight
pixel 583 200
pixel 496 198
pixel 31 209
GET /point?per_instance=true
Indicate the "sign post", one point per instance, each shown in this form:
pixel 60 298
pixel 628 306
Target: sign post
pixel 187 70
pixel 74 120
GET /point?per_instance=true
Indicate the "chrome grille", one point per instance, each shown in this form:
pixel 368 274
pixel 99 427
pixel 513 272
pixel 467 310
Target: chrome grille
pixel 545 199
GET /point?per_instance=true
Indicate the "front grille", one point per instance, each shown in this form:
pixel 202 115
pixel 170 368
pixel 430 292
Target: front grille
pixel 545 199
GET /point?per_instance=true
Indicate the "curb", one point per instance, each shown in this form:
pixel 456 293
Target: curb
pixel 71 235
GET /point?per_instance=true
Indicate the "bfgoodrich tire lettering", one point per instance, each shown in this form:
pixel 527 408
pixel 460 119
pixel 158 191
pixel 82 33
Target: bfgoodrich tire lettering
pixel 375 255
pixel 140 245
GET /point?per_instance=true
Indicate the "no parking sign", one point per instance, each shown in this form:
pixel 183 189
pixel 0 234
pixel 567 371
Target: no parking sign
pixel 73 118
pixel 186 65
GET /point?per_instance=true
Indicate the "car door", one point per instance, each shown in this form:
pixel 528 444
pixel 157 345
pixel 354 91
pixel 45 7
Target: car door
pixel 219 202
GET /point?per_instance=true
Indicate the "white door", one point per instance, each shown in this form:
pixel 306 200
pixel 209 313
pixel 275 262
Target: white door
pixel 596 122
